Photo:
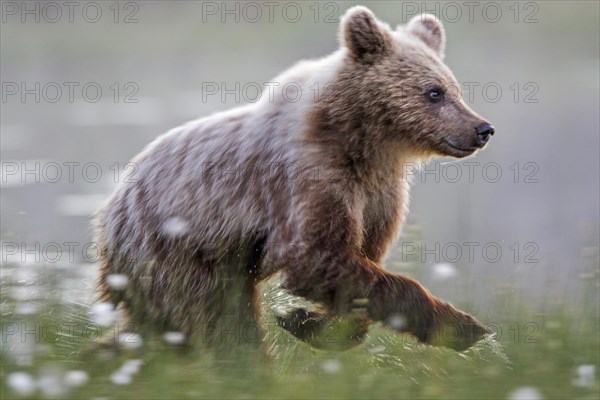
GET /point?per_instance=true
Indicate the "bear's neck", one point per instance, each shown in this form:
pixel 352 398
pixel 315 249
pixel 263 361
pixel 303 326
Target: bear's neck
pixel 370 155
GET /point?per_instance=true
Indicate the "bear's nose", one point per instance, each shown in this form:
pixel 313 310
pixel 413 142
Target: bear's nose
pixel 484 131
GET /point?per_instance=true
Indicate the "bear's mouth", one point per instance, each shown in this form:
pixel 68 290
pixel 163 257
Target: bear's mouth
pixel 458 151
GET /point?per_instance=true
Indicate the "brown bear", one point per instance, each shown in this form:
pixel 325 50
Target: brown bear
pixel 310 187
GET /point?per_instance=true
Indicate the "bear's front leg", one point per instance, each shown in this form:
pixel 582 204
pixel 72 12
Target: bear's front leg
pixel 401 304
pixel 330 269
pixel 405 305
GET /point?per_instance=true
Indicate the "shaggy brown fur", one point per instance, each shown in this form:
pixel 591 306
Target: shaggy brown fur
pixel 311 189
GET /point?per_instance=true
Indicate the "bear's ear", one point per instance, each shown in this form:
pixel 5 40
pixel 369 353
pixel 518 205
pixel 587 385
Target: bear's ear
pixel 364 35
pixel 430 30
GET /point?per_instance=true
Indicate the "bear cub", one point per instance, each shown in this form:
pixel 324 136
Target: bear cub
pixel 312 189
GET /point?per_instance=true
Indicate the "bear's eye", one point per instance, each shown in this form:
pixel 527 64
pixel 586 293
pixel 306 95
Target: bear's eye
pixel 435 95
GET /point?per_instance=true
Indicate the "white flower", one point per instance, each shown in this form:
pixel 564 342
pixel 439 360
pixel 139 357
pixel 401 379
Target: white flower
pixel 396 321
pixel 131 367
pixel 443 271
pixel 51 384
pixel 175 226
pixel 586 375
pixel 331 366
pixel 120 378
pixel 76 378
pixel 130 340
pixel 26 308
pixel 103 314
pixel 117 281
pixel 21 383
pixel 525 393
pixel 586 371
pixel 174 337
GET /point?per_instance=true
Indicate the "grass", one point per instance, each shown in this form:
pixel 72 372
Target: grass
pixel 538 350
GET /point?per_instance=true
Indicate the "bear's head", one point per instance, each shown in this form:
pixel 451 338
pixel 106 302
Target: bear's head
pixel 398 84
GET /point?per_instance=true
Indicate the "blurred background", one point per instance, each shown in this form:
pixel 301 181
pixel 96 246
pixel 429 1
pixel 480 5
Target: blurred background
pixel 85 86
pixel 81 98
